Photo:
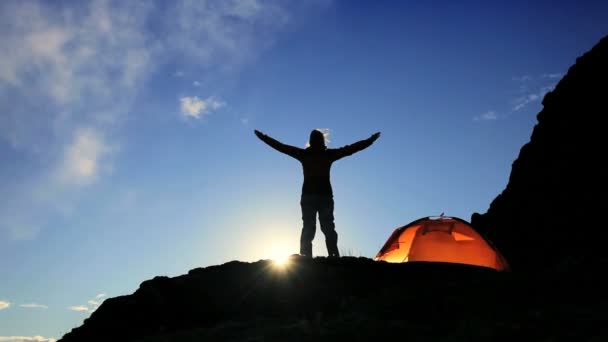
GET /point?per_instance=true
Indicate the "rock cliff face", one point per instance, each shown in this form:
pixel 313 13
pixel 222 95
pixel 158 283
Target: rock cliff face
pixel 550 215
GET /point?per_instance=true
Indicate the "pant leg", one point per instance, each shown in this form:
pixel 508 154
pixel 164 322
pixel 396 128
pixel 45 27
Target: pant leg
pixel 326 218
pixel 309 219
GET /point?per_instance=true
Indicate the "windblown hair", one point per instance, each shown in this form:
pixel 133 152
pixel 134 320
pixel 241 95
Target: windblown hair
pixel 317 139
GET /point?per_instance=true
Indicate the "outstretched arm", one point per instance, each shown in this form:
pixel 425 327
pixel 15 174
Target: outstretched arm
pixel 289 150
pixel 356 147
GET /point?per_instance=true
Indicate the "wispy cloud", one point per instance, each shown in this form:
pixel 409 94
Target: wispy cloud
pixel 33 306
pixel 81 161
pixel 4 304
pixel 70 74
pixel 552 76
pixel 487 116
pixel 196 83
pixel 531 89
pixel 82 157
pixel 83 63
pixel 26 339
pixel 69 69
pixel 92 304
pixel 79 308
pixel 63 69
pixel 194 107
pixel 521 102
pixel 232 30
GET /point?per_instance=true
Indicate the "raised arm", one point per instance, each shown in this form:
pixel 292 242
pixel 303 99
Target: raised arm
pixel 354 148
pixel 289 150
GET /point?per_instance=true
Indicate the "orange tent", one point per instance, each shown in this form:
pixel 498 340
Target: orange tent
pixel 442 239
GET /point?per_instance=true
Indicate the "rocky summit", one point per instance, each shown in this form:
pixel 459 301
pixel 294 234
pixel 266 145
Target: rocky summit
pixel 354 299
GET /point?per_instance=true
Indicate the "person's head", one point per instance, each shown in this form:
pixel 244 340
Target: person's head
pixel 317 139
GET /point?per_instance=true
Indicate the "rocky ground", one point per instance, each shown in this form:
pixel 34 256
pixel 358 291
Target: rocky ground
pixel 353 299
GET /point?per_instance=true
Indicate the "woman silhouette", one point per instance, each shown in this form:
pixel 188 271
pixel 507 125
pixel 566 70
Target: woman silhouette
pixel 317 194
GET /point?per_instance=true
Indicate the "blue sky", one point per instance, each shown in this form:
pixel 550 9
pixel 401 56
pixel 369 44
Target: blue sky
pixel 126 130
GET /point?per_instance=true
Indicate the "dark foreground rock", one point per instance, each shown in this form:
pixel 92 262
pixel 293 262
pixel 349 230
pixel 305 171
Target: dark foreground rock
pixel 550 215
pixel 352 299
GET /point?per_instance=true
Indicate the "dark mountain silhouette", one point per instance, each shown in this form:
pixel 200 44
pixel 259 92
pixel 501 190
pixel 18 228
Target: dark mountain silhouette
pixel 354 299
pixel 550 216
pixel 547 222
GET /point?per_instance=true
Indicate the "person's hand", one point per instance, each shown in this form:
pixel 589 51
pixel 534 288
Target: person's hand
pixel 259 134
pixel 375 136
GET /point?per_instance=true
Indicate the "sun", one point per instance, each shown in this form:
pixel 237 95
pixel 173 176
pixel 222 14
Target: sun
pixel 279 254
pixel 281 261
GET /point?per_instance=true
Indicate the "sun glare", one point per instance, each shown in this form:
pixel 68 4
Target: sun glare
pixel 280 256
pixel 281 261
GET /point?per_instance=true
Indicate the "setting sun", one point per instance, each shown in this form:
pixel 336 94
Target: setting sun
pixel 281 261
pixel 279 254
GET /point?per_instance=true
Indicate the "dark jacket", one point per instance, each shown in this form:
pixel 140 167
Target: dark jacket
pixel 316 162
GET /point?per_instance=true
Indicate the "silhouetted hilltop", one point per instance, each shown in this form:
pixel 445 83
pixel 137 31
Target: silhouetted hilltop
pixel 550 215
pixel 354 299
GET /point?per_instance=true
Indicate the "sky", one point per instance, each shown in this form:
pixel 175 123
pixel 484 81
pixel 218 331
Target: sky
pixel 126 130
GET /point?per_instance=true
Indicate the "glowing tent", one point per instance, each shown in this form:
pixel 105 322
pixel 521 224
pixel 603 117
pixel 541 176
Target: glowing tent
pixel 442 239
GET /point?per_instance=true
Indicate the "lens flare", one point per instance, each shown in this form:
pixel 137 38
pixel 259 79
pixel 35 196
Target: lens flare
pixel 281 261
pixel 279 256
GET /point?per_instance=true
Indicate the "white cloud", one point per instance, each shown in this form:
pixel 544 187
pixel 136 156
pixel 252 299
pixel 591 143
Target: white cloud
pixel 533 88
pixel 4 304
pixel 192 106
pixel 196 83
pixel 33 306
pixel 196 108
pixel 70 73
pixel 26 339
pixel 487 116
pixel 233 31
pixel 64 67
pixel 523 101
pixel 71 60
pixel 79 308
pixel 81 161
pixel 93 304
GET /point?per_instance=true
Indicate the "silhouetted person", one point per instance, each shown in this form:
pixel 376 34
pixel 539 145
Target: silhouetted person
pixel 317 194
